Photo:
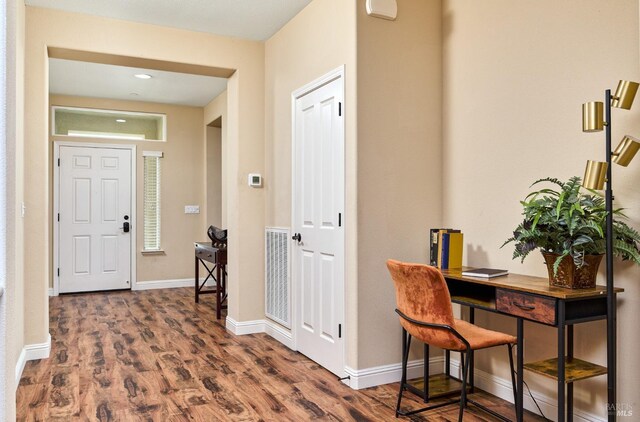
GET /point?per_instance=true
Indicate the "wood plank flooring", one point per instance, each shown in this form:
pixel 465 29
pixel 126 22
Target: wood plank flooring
pixel 156 355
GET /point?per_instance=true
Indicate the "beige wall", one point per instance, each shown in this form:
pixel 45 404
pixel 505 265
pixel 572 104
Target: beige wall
pixel 217 109
pixel 515 76
pixel 318 40
pixel 399 161
pixel 476 86
pixel 13 299
pixel 182 183
pixel 214 176
pixel 119 40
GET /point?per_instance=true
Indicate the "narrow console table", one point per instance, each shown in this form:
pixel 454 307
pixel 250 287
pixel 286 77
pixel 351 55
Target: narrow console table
pixel 532 299
pixel 206 252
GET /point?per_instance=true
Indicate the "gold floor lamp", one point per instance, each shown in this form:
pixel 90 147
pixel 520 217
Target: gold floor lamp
pixel 595 117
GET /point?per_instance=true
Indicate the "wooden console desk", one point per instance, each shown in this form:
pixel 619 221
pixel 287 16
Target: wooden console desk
pixel 532 299
pixel 205 252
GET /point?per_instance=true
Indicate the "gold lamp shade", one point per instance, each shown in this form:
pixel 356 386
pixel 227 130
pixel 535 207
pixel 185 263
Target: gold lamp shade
pixel 625 93
pixel 592 116
pixel 595 175
pixel 626 150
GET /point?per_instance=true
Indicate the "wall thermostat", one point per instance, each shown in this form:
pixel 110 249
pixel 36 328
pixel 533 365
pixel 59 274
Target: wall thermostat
pixel 255 180
pixel 385 9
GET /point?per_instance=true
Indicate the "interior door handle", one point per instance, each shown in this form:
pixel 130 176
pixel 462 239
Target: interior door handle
pixel 125 227
pixel 297 237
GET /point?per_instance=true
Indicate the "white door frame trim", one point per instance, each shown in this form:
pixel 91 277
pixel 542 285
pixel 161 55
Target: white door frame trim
pixel 337 73
pixel 56 205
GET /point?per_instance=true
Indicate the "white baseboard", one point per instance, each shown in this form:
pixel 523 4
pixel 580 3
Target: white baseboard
pixel 279 333
pixel 22 360
pixel 385 374
pixel 260 326
pixel 241 328
pixel 502 388
pixel 165 284
pixel 32 352
pixel 155 284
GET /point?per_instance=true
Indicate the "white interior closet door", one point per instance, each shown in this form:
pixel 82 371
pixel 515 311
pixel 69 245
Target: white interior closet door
pixel 318 211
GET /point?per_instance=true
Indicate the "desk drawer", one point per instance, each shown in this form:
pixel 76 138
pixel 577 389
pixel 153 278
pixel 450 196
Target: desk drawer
pixel 536 308
pixel 205 254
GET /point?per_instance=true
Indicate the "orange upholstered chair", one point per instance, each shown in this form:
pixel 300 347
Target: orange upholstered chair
pixel 424 305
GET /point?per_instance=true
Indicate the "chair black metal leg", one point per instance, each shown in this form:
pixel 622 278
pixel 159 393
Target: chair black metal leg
pixel 465 375
pixel 513 375
pixel 426 373
pixel 447 363
pixel 406 344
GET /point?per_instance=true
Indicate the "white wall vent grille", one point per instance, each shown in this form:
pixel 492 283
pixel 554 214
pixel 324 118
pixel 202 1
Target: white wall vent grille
pixel 277 284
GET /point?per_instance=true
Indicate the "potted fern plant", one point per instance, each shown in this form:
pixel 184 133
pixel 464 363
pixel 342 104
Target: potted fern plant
pixel 568 226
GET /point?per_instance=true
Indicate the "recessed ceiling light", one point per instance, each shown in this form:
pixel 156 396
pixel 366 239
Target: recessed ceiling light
pixel 121 120
pixel 142 76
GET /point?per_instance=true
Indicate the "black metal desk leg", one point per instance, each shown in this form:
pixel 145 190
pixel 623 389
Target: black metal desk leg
pixel 197 279
pixel 570 385
pixel 520 370
pixel 611 355
pixel 472 320
pixel 561 362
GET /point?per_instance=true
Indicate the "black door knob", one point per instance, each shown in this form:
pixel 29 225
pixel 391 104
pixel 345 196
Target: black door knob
pixel 297 237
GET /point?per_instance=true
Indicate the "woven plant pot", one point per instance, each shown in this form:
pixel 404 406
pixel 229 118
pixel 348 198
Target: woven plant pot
pixel 571 277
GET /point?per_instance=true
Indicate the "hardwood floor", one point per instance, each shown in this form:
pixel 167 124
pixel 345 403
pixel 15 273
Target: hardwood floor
pixel 156 355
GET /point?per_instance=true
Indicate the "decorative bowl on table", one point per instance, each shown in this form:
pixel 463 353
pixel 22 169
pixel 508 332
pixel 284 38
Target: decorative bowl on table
pixel 218 237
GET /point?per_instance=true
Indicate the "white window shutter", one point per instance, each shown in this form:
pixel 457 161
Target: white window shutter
pixel 151 202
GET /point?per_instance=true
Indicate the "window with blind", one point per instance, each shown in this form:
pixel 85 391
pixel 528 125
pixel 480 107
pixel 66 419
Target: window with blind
pixel 152 200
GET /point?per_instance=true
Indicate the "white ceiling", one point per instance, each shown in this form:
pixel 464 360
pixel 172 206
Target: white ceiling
pixel 252 19
pixel 95 80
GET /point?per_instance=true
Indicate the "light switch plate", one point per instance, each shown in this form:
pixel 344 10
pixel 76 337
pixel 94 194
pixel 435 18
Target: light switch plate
pixel 192 209
pixel 255 180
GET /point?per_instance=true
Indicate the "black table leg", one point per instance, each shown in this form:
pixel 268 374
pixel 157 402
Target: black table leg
pixel 218 291
pixel 472 377
pixel 197 280
pixel 570 385
pixel 561 362
pixel 612 333
pixel 520 371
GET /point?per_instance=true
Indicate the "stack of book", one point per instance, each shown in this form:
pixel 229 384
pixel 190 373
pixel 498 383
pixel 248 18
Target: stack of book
pixel 446 248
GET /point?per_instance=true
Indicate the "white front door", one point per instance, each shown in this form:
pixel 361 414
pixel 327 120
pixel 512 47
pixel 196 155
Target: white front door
pixel 318 217
pixel 94 209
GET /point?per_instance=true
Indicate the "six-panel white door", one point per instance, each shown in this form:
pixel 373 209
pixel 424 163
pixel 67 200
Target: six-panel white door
pixel 94 203
pixel 318 197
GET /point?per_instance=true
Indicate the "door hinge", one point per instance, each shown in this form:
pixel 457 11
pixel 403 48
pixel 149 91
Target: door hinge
pixel 339 219
pixel 58 216
pixel 58 162
pixel 339 109
pixel 58 272
pixel 339 330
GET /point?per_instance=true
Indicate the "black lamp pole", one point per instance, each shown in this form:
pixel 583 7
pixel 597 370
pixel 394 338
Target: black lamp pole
pixel 611 298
